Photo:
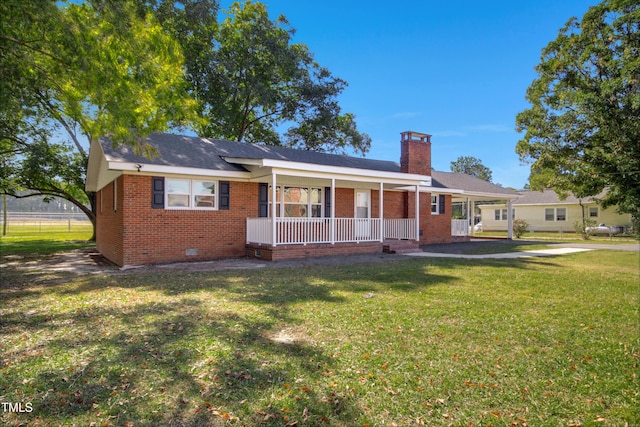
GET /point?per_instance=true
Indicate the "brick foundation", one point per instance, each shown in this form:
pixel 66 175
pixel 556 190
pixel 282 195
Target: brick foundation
pixel 270 253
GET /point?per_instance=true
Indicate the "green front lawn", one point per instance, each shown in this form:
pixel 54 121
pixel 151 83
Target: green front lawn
pixel 567 237
pixel 437 342
pixel 29 242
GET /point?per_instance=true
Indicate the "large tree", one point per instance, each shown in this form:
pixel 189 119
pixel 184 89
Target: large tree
pixel 73 72
pixel 256 85
pixel 471 166
pixel 582 131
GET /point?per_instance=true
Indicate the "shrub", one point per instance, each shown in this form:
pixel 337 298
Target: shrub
pixel 520 226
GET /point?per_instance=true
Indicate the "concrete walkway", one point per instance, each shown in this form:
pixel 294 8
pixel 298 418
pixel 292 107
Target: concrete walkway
pixel 507 255
pixel 89 261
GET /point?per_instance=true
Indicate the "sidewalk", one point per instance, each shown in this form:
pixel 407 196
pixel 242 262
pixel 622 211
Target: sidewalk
pixel 507 255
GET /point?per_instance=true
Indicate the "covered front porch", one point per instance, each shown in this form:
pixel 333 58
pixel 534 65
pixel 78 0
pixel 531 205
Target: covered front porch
pixel 313 237
pixel 316 214
pixel 286 231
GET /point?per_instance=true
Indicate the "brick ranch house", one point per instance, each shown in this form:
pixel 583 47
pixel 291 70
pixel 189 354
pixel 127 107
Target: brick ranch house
pixel 203 199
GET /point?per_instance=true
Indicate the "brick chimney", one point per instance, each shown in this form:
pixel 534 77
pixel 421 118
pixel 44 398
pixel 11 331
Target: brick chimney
pixel 415 153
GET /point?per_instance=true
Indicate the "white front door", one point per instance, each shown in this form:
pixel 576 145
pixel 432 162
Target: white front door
pixel 362 214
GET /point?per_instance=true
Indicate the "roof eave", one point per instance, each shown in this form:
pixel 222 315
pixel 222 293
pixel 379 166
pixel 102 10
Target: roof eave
pixel 148 168
pixel 339 172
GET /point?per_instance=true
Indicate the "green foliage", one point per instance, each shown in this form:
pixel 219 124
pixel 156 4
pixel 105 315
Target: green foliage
pixel 76 71
pixel 471 166
pixel 582 130
pixel 123 75
pixel 253 81
pixel 520 226
pixel 581 228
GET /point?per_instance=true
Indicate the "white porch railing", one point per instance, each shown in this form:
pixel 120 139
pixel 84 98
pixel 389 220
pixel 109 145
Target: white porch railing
pixel 327 230
pixel 401 229
pixel 460 227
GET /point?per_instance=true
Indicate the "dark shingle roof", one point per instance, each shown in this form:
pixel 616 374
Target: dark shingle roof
pixel 205 153
pixel 468 183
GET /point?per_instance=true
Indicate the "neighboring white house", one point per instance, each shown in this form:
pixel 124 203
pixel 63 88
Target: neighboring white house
pixel 544 211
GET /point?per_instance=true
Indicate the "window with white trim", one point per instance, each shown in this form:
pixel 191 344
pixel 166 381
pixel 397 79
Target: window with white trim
pixel 593 212
pixel 297 202
pixel 190 194
pixel 557 214
pixel 502 214
pixel 438 204
pixel 549 214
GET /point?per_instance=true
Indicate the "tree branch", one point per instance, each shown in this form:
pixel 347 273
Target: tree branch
pixel 58 116
pixel 26 44
pixel 57 193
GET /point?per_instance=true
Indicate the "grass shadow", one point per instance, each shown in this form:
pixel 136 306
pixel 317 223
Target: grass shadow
pixel 178 363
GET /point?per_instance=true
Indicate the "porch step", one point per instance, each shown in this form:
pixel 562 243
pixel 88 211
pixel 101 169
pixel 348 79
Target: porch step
pixel 400 246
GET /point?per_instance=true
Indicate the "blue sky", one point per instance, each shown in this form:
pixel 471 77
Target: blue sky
pixel 456 70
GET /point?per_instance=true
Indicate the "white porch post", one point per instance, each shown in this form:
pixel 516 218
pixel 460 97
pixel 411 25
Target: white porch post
pixel 472 208
pixel 333 211
pixel 509 220
pixel 418 212
pixel 273 210
pixel 469 219
pixel 381 211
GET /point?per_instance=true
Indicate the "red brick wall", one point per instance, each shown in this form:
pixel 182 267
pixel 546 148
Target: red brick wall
pixel 393 204
pixel 109 222
pixel 435 228
pixel 415 157
pixel 137 234
pixel 345 203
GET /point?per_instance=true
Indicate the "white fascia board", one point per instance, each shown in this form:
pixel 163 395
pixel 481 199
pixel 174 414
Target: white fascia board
pixel 455 191
pixel 499 196
pixel 364 175
pixel 148 169
pixel 439 190
pixel 312 169
pixel 551 204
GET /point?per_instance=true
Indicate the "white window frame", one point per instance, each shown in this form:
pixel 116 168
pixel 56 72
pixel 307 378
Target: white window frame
pixel 355 203
pixel 281 205
pixel 435 205
pixel 191 195
pixel 549 216
pixel 502 214
pixel 555 212
pixel 194 195
pixel 592 210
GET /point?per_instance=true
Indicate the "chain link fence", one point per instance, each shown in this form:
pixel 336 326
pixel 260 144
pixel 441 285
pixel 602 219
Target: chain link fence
pixel 42 222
